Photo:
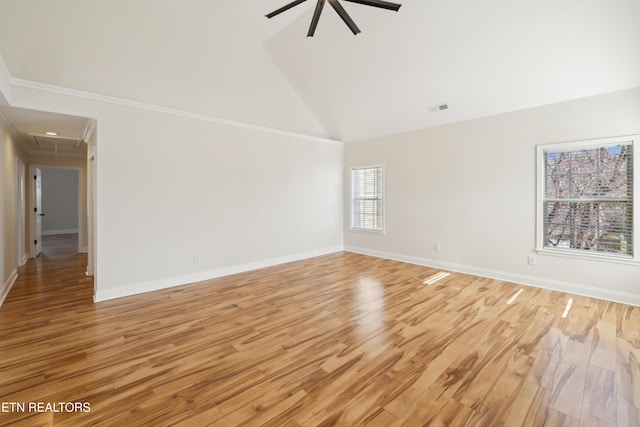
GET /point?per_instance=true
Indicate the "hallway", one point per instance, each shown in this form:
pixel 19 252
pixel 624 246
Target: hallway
pixel 65 268
pixel 35 318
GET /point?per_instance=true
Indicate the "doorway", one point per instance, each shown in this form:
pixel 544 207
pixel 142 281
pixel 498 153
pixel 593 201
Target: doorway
pixel 58 200
pixel 49 140
pixel 60 204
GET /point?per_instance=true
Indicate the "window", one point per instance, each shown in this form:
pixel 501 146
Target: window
pixel 586 199
pixel 367 207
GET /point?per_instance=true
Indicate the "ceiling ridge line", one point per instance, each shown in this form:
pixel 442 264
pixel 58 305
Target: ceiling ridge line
pixel 60 90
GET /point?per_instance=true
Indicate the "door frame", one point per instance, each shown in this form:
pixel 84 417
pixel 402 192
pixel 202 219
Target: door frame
pixel 82 219
pixel 21 171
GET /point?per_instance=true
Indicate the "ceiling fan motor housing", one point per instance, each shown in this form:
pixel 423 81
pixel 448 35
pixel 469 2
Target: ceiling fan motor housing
pixel 339 10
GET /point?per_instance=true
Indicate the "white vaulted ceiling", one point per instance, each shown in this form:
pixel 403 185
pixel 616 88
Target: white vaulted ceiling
pixel 225 59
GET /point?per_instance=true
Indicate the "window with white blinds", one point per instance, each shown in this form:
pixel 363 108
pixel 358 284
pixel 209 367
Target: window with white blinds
pixel 586 198
pixel 367 203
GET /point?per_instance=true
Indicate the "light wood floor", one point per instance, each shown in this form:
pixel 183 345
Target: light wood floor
pixel 341 340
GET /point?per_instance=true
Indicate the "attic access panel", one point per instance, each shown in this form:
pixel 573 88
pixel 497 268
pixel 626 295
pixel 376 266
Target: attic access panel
pixel 339 10
pixel 63 144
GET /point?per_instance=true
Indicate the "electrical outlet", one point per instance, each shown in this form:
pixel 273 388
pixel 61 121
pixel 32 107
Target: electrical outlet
pixel 437 247
pixel 532 260
pixel 196 258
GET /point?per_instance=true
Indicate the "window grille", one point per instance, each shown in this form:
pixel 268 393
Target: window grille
pixel 587 198
pixel 367 204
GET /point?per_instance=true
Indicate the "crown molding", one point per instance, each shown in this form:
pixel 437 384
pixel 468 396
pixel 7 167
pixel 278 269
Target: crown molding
pixel 88 131
pixel 59 90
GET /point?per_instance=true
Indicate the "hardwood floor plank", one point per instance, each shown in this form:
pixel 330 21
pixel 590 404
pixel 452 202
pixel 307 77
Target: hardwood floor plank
pixel 200 417
pixel 569 382
pixel 599 404
pixel 380 418
pixel 424 375
pixel 342 339
pixel 452 413
pixel 627 415
pixel 604 347
pixel 539 411
pixel 517 413
pixel 559 419
pixel 628 373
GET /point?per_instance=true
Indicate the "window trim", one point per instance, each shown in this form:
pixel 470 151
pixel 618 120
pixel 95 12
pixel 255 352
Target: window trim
pixel 383 198
pixel 634 140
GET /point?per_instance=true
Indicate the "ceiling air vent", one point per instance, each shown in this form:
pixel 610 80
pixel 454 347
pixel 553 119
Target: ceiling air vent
pixel 62 143
pixel 439 107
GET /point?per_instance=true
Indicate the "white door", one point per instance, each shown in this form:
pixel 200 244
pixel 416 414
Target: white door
pixel 37 212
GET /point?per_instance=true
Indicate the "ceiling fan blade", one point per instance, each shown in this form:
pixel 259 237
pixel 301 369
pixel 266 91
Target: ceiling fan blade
pixel 378 3
pixel 345 16
pixel 316 18
pixel 284 8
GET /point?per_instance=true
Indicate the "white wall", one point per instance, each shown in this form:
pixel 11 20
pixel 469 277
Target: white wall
pixel 9 260
pixel 4 268
pixel 471 187
pixel 7 275
pixel 60 201
pixel 170 186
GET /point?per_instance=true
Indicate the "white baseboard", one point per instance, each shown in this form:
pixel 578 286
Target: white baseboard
pixel 554 285
pixel 55 232
pixel 24 259
pixel 6 287
pixel 83 250
pixel 155 285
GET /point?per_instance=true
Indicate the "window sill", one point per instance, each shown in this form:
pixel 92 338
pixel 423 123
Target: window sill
pixel 590 257
pixel 367 230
